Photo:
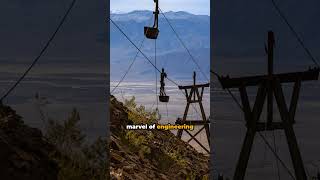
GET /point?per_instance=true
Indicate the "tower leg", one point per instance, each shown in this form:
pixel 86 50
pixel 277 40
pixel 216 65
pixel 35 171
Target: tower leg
pixel 290 135
pixel 295 154
pixel 244 155
pixel 184 119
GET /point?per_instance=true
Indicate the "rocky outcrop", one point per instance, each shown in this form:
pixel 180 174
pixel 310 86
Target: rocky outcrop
pixel 143 155
pixel 24 153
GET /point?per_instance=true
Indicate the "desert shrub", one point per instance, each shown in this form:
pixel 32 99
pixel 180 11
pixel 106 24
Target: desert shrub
pixel 139 114
pixel 66 135
pixel 177 158
pixel 138 143
pixel 77 160
pixel 193 176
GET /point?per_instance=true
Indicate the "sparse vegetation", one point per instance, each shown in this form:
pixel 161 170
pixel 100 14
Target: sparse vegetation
pixel 156 146
pixel 138 143
pixel 77 159
pixel 139 114
pixel 194 177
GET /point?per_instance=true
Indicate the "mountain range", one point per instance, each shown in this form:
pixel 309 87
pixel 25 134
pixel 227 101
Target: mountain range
pixel 194 31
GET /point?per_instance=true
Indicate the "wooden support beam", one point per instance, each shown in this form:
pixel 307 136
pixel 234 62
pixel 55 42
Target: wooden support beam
pixel 271 42
pixel 244 155
pixel 194 96
pixel 245 105
pixel 180 131
pixel 258 105
pixel 269 126
pixel 251 131
pixel 194 86
pixel 203 114
pixel 195 101
pixel 270 87
pixel 189 97
pixel 294 100
pixel 186 93
pixel 309 75
pixel 196 140
pixel 196 134
pixel 202 90
pixel 291 138
pixel 253 124
pixel 193 122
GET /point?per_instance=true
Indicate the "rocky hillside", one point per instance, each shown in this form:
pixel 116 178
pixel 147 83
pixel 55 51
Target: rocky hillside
pixel 142 154
pixel 24 153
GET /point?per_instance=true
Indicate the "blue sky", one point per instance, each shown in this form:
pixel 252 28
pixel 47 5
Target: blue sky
pixel 192 6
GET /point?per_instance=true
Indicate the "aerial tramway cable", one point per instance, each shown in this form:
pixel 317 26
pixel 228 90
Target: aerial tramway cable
pixel 262 137
pixel 300 41
pixel 139 50
pixel 115 24
pixel 41 52
pixel 153 35
pixel 130 66
pixel 186 48
pixel 294 32
pixel 156 73
pixel 146 32
pixel 308 52
pixel 183 44
pixel 276 150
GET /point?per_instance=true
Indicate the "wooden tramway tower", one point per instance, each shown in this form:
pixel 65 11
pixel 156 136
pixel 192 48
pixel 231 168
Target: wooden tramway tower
pixel 194 94
pixel 270 87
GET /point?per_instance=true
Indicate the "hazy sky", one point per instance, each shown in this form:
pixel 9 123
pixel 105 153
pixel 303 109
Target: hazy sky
pixel 192 6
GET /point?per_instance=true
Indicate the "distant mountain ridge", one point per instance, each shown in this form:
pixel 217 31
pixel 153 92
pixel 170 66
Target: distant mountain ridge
pixel 194 30
pixel 139 15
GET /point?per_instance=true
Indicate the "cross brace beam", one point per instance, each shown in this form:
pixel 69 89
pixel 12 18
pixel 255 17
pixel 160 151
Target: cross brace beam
pixel 269 88
pixel 194 96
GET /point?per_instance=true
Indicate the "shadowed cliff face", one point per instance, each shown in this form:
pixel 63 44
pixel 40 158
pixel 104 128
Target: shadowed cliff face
pixel 62 153
pixel 24 153
pixel 142 154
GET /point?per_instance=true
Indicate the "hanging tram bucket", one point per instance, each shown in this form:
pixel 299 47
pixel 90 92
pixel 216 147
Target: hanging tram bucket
pixel 151 32
pixel 164 98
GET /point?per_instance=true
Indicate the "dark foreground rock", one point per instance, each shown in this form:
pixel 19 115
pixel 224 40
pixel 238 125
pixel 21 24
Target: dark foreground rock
pixel 24 153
